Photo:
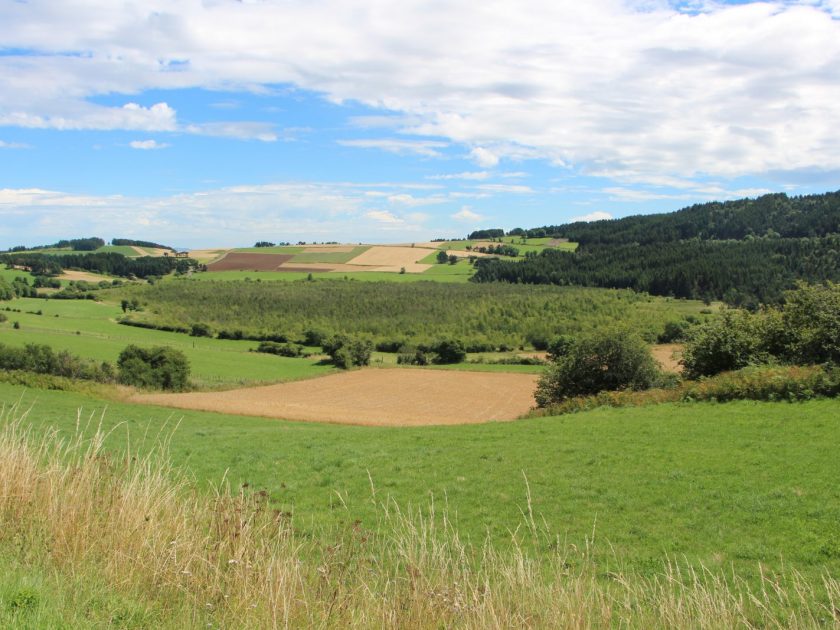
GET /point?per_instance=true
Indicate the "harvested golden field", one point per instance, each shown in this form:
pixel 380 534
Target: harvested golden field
pixel 375 397
pixel 69 274
pixel 388 258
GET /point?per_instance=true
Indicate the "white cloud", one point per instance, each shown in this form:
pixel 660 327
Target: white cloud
pixel 383 216
pixel 426 148
pixel 13 145
pixel 592 216
pixel 289 211
pixel 484 157
pixel 466 214
pixel 147 145
pixel 637 89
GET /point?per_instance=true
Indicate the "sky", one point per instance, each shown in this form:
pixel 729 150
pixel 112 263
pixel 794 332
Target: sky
pixel 218 123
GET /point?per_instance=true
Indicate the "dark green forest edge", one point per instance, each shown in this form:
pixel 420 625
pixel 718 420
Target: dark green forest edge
pixel 745 252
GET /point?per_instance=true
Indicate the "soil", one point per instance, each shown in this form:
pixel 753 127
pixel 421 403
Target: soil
pixel 397 397
pixel 243 261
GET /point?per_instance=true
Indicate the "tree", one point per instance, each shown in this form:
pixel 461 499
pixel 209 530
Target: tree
pixel 159 367
pixel 453 259
pixel 610 360
pixel 442 257
pixel 729 342
pixel 449 351
pixel 346 352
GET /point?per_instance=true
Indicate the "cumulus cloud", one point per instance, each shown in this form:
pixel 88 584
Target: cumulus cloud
pixel 592 216
pixel 147 145
pixel 466 214
pixel 638 89
pixel 484 157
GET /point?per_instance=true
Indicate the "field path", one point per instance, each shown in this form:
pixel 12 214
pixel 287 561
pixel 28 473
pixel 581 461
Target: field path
pixel 374 397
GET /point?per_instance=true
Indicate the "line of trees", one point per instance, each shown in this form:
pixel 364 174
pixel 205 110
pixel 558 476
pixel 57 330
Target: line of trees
pixel 135 243
pixel 109 263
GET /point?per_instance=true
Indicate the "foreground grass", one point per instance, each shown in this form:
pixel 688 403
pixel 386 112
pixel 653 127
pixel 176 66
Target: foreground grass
pixel 716 485
pixel 94 540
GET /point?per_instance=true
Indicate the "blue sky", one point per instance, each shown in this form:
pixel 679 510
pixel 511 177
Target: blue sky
pixel 219 123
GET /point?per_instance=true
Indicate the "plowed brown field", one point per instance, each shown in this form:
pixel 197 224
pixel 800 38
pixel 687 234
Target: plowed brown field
pixel 243 261
pixel 377 397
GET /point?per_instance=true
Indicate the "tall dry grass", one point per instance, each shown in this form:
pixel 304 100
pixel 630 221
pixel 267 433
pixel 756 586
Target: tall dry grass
pixel 229 560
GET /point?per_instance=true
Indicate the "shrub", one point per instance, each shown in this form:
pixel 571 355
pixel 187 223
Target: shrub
pixel 281 349
pixel 602 361
pixel 730 342
pixel 158 368
pixel 200 330
pixel 449 351
pixel 346 352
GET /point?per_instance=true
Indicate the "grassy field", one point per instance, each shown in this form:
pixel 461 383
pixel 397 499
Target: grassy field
pixel 89 329
pixel 725 486
pixel 530 245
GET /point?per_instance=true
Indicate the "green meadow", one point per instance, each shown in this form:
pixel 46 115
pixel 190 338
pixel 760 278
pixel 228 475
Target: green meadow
pixel 89 329
pixel 727 486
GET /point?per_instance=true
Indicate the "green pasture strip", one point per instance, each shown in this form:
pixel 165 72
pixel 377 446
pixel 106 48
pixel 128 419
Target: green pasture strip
pixel 531 245
pixel 125 250
pixel 328 257
pixel 89 329
pixel 727 486
pixel 10 274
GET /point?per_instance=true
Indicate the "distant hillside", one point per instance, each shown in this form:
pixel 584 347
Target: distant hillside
pixel 777 214
pixel 744 252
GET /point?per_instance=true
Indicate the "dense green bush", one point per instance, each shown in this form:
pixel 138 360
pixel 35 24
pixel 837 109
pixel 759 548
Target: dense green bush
pixel 610 360
pixel 156 368
pixel 449 351
pixel 281 349
pixel 42 359
pixel 346 352
pixel 731 342
pixel 804 330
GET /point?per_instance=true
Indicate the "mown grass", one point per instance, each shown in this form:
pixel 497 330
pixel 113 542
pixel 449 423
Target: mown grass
pixel 328 256
pixel 89 329
pixel 722 485
pixel 535 245
pixel 124 541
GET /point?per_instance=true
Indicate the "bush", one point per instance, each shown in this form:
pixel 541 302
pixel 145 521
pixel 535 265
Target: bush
pixel 346 352
pixel 730 342
pixel 449 351
pixel 603 361
pixel 200 330
pixel 281 349
pixel 157 368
